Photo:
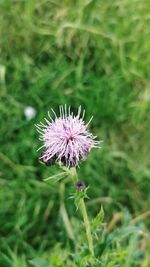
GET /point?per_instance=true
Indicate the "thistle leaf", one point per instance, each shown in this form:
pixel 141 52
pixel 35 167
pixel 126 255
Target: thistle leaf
pixel 97 221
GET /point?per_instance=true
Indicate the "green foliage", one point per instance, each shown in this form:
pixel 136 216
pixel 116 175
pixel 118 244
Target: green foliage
pixel 92 53
pixel 37 262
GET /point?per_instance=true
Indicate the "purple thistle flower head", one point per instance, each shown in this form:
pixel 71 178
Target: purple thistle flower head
pixel 66 138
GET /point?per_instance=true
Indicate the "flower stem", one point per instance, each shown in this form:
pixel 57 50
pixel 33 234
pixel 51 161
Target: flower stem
pixel 87 226
pixel 83 211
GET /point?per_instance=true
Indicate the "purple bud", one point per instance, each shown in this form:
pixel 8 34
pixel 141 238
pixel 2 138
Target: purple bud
pixel 80 186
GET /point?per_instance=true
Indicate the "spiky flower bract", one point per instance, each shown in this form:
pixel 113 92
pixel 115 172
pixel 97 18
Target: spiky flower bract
pixel 66 138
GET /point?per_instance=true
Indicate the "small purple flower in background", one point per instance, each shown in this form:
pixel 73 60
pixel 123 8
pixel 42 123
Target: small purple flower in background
pixel 80 186
pixel 66 138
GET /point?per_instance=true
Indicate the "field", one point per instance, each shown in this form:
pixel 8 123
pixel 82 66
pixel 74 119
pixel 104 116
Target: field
pixel 95 54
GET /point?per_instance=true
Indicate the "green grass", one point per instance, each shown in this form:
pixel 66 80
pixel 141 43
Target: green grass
pixel 89 53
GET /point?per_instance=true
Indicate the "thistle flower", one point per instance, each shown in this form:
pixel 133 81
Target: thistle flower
pixel 66 138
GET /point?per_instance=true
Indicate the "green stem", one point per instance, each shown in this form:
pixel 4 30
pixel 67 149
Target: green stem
pixel 84 215
pixel 87 225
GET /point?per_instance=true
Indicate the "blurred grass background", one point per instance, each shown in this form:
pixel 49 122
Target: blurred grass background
pixel 92 53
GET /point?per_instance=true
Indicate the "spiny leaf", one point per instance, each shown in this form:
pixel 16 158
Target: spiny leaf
pixel 98 219
pixel 56 177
